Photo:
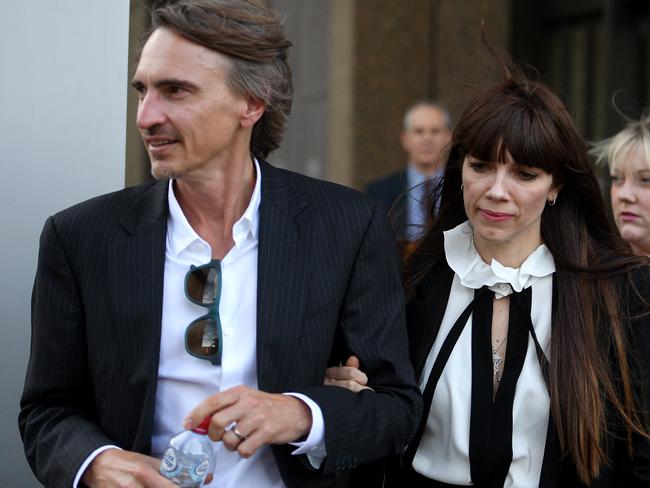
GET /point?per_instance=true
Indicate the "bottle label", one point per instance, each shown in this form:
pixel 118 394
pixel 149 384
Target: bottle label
pixel 187 459
pixel 202 469
pixel 169 460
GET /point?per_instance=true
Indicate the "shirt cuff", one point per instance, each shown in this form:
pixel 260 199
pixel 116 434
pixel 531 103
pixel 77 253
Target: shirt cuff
pixel 314 445
pixel 89 460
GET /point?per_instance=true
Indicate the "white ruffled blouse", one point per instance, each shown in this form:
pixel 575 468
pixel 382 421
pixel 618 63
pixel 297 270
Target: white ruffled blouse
pixel 443 453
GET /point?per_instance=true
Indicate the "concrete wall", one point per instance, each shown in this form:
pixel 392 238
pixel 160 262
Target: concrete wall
pixel 387 54
pixel 393 62
pixel 63 87
pixel 304 147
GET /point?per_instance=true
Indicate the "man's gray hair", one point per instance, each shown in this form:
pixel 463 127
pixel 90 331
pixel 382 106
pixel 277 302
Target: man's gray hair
pixel 252 37
pixel 406 121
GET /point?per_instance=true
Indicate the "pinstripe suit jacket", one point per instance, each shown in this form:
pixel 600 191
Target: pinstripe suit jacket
pixel 328 286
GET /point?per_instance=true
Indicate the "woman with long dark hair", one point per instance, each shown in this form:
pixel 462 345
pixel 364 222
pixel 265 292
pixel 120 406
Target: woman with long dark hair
pixel 527 315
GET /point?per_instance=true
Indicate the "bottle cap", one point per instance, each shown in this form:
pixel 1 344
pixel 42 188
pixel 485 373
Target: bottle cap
pixel 202 428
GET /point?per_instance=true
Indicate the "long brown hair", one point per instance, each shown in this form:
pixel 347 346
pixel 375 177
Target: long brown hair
pixel 523 118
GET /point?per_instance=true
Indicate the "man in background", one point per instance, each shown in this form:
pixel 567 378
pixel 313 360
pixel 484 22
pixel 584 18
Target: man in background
pixel 426 131
pixel 223 289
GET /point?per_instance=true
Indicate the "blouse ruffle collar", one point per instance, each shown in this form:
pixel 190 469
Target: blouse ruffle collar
pixel 465 261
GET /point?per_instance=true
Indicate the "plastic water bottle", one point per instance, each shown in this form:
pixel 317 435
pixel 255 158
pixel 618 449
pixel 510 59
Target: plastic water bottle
pixel 188 457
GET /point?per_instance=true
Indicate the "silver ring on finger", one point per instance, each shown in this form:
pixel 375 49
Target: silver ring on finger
pixel 238 434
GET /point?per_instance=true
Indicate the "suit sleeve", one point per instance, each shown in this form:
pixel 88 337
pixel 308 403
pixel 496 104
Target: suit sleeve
pixel 55 420
pixel 365 426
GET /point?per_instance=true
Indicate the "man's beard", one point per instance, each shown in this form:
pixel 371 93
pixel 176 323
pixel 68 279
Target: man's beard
pixel 165 172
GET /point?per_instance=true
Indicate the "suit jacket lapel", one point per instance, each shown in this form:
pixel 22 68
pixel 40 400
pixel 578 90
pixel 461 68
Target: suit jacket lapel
pixel 135 280
pixel 282 275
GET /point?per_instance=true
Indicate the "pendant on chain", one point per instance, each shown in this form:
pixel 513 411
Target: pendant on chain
pixel 496 363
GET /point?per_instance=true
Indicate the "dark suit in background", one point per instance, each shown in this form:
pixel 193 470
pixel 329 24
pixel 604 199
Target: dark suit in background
pixel 391 191
pixel 387 190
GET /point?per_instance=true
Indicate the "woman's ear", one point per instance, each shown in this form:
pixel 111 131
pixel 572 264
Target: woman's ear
pixel 553 194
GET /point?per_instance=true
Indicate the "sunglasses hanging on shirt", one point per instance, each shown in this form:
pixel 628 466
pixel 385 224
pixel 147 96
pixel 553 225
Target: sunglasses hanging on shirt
pixel 203 337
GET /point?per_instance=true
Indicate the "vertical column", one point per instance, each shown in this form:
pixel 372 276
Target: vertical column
pixel 138 168
pixel 393 67
pixel 384 56
pixel 463 67
pixel 342 96
pixel 304 147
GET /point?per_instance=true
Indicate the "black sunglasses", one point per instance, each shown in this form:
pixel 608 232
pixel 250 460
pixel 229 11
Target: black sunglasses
pixel 203 338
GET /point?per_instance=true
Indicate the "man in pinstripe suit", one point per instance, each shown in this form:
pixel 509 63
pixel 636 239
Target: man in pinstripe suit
pixel 309 277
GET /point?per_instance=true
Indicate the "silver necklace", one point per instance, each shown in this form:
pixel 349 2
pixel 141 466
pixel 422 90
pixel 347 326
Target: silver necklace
pixel 496 362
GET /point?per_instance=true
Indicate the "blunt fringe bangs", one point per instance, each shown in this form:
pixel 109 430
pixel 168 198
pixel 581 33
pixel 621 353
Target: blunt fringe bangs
pixel 525 120
pixel 253 39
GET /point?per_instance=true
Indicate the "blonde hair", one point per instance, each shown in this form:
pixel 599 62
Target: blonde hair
pixel 635 134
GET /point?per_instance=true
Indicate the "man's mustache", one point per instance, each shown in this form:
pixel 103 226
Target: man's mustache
pixel 161 130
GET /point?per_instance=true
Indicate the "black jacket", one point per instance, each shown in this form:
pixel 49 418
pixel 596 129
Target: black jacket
pixel 328 286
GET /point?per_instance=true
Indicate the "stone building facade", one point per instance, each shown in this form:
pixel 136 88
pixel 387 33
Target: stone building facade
pixel 359 63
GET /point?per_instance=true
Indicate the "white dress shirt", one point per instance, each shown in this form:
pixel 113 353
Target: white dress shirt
pixel 183 380
pixel 443 453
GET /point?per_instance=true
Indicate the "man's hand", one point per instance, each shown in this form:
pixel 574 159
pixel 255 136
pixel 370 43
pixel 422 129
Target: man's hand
pixel 114 468
pixel 246 419
pixel 348 376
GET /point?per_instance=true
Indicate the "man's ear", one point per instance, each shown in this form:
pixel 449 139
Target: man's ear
pixel 403 140
pixel 253 112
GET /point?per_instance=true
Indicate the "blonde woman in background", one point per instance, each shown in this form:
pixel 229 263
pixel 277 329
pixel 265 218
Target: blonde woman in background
pixel 628 156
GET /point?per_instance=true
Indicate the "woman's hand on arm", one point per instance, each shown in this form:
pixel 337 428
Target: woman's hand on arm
pixel 348 376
